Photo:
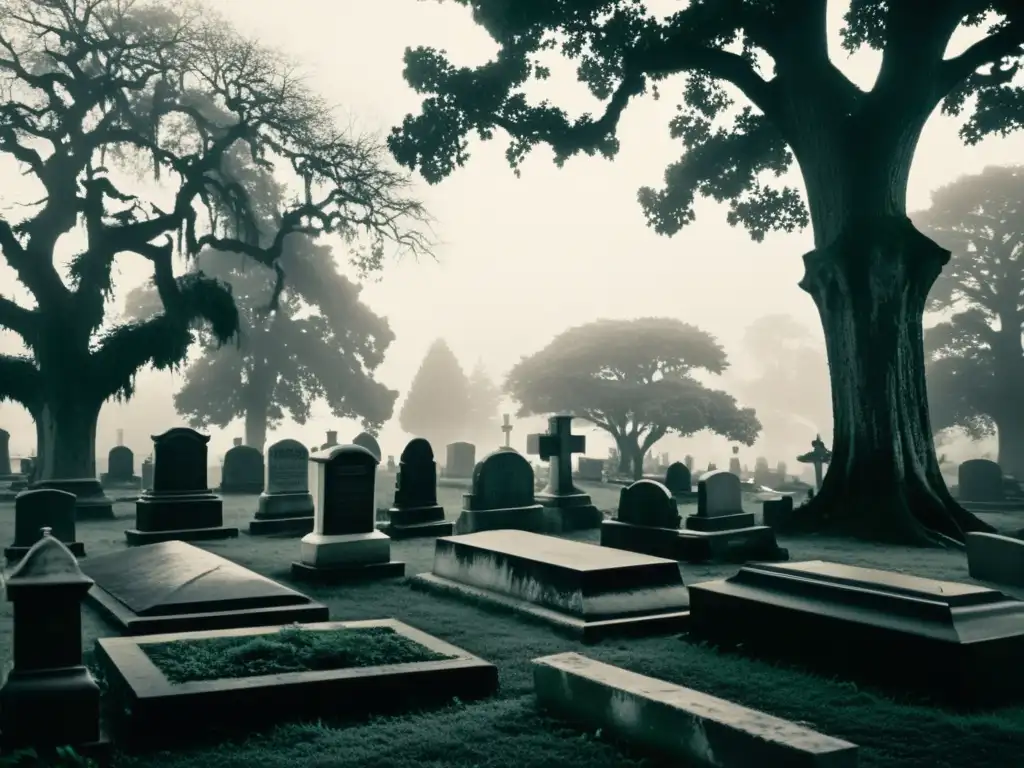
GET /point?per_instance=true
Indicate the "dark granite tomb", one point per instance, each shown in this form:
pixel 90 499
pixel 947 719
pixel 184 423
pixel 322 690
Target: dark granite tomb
pixel 174 586
pixel 242 471
pixel 39 509
pixel 416 512
pixel 958 643
pixel 501 496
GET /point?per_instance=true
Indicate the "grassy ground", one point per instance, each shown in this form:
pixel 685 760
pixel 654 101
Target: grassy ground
pixel 508 731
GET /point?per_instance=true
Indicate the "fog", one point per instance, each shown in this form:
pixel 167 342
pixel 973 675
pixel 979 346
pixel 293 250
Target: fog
pixel 519 260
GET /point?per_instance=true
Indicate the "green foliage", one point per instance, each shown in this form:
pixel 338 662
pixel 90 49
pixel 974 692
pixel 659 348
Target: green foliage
pixel 975 357
pixel 632 378
pixel 291 649
pixel 437 407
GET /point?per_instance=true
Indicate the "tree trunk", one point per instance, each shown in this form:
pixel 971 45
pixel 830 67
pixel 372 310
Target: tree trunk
pixel 256 426
pixel 883 482
pixel 66 438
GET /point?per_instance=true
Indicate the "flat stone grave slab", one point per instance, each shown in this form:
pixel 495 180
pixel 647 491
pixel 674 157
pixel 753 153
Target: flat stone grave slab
pixel 678 722
pixel 584 590
pixel 151 701
pixel 958 643
pixel 174 586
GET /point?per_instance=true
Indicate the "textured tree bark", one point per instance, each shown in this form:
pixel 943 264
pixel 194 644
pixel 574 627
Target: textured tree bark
pixel 884 482
pixel 256 425
pixel 66 436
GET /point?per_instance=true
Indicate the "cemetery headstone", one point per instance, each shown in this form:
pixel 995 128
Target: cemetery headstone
pixel 392 467
pixel 566 507
pixel 120 467
pixel 818 456
pixel 286 505
pixel 720 503
pixel 734 462
pixel 345 544
pixel 679 480
pixel 648 503
pixel 50 698
pixel 5 455
pixel 180 504
pixel 502 496
pixel 506 428
pixel 995 558
pixel 980 480
pixel 39 509
pixel 416 512
pixel 590 470
pixel 369 442
pixel 147 473
pixel 777 513
pixel 243 470
pixel 460 459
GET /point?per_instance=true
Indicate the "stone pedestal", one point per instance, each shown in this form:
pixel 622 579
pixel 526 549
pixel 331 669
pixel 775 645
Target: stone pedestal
pixel 283 513
pixel 91 502
pixel 417 522
pixel 530 518
pixel 569 512
pixel 739 546
pixel 184 516
pixel 345 558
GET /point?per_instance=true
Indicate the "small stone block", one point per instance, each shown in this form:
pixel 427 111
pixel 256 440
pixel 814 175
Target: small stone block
pixel 347 574
pixel 721 522
pixel 679 722
pixel 999 559
pixel 137 538
pixel 291 526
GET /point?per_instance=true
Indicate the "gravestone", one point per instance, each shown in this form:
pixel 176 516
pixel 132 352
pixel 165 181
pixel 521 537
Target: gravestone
pixel 566 507
pixel 648 503
pixel 719 503
pixel 49 698
pixel 120 467
pixel 840 620
pixel 679 480
pixel 416 512
pixel 286 505
pixel 147 473
pixel 460 460
pixel 392 467
pixel 180 504
pixel 980 480
pixel 777 513
pixel 591 470
pixel 818 457
pixel 345 544
pixel 178 587
pixel 734 462
pixel 995 558
pixel 5 455
pixel 584 590
pixel 369 442
pixel 91 503
pixel 506 428
pixel 43 508
pixel 243 470
pixel 501 496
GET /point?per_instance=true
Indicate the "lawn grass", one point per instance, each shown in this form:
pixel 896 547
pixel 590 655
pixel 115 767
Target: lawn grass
pixel 291 649
pixel 508 731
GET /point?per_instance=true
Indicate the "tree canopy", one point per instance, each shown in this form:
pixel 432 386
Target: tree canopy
pixel 484 402
pixel 633 379
pixel 437 405
pixel 976 359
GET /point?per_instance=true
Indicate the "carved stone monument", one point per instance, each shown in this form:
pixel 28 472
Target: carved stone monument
pixel 286 505
pixel 416 512
pixel 566 507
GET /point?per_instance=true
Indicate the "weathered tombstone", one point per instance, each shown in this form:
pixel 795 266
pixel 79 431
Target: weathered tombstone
pixel 120 467
pixel 460 460
pixel 369 442
pixel 180 505
pixel 648 503
pixel 39 509
pixel 980 480
pixel 995 558
pixel 818 456
pixel 777 513
pixel 416 512
pixel 566 507
pixel 591 470
pixel 501 496
pixel 243 470
pixel 679 480
pixel 49 698
pixel 345 544
pixel 286 505
pixel 719 503
pixel 392 467
pixel 5 455
pixel 147 473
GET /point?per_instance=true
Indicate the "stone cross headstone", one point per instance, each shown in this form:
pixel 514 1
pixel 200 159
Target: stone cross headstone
pixel 556 447
pixel 5 453
pixel 506 427
pixel 39 509
pixel 648 503
pixel 120 465
pixel 980 480
pixel 369 442
pixel 460 459
pixel 343 480
pixel 719 493
pixel 678 479
pixel 818 456
pixel 243 470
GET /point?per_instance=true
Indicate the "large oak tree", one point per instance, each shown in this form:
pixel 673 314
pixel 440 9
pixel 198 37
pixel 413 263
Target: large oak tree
pixel 92 89
pixel 976 358
pixel 870 271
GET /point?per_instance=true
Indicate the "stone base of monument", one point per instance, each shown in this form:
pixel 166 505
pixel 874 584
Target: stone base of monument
pixel 91 502
pixel 417 522
pixel 956 643
pixel 346 558
pixel 513 518
pixel 739 546
pixel 583 590
pixel 720 522
pixel 283 513
pixel 575 512
pixel 163 516
pixel 14 554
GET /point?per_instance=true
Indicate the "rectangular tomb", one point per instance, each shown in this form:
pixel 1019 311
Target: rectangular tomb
pixel 679 722
pixel 960 643
pixel 174 586
pixel 151 701
pixel 583 589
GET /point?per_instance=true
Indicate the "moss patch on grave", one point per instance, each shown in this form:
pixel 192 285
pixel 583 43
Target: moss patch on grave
pixel 291 649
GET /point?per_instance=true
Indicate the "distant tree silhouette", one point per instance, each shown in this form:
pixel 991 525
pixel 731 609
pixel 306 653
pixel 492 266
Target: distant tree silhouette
pixel 870 271
pixel 484 402
pixel 438 406
pixel 976 360
pixel 632 379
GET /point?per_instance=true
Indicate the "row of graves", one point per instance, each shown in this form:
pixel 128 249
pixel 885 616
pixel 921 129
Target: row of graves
pixel 503 549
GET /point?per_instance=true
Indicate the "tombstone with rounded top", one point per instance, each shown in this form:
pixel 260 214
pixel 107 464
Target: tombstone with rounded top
pixel 286 505
pixel 501 496
pixel 180 505
pixel 679 480
pixel 49 699
pixel 460 459
pixel 566 507
pixel 416 512
pixel 369 442
pixel 43 508
pixel 980 480
pixel 648 503
pixel 243 470
pixel 120 467
pixel 345 544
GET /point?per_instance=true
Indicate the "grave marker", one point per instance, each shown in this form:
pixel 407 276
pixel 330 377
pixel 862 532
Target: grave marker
pixel 243 470
pixel 416 512
pixel 566 507
pixel 995 558
pixel 501 496
pixel 679 481
pixel 120 467
pixel 506 428
pixel 286 506
pixel 818 456
pixel 5 456
pixel 369 442
pixel 460 460
pixel 43 508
